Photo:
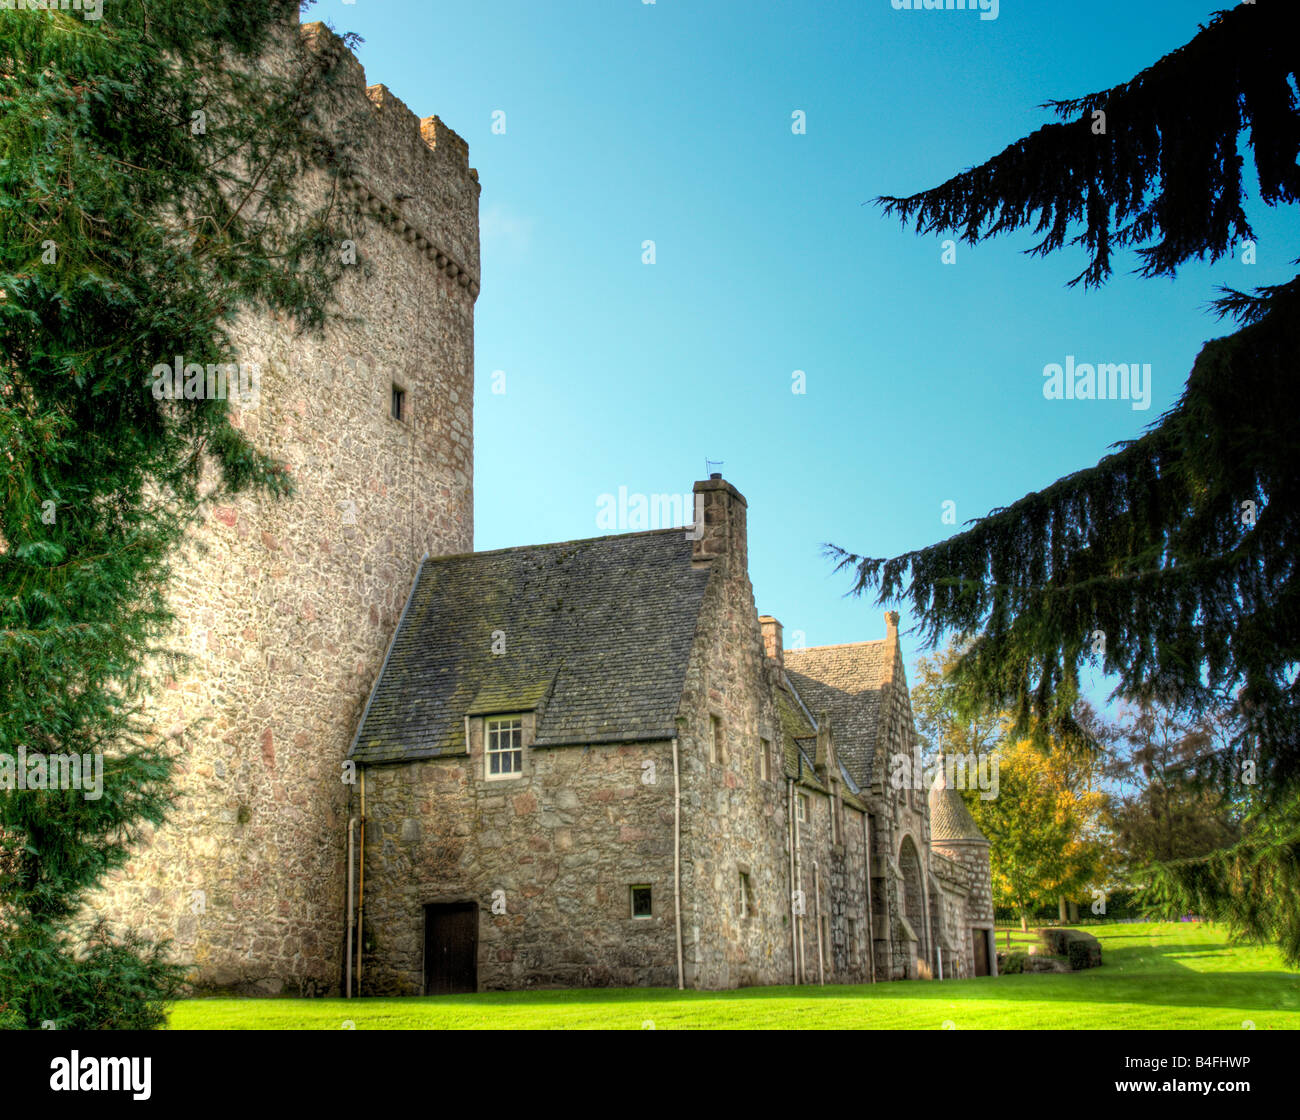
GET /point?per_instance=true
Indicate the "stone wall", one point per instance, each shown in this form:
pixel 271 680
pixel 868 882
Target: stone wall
pixel 977 903
pixel 897 813
pixel 737 822
pixel 733 821
pixel 564 843
pixel 288 605
pixel 950 894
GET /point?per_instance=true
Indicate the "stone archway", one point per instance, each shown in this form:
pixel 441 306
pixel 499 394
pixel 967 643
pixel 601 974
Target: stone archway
pixel 913 890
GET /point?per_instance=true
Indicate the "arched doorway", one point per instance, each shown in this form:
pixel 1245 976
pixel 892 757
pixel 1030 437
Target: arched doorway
pixel 909 864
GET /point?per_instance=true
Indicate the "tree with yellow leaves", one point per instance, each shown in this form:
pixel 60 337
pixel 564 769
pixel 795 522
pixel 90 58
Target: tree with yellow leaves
pixel 1044 825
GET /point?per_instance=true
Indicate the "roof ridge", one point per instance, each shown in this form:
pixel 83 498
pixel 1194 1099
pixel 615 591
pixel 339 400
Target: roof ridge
pixel 556 544
pixel 837 645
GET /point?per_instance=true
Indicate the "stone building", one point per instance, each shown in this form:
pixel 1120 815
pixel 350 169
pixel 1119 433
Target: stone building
pixel 287 606
pixel 568 764
pixel 593 763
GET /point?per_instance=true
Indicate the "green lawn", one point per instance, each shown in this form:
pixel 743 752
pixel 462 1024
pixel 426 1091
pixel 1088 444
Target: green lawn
pixel 1156 976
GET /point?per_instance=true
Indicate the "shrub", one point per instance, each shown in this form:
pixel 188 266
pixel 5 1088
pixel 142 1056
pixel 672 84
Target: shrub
pixel 1011 964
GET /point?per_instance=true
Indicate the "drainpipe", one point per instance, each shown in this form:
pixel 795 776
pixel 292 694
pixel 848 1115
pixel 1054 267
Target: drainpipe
pixel 361 894
pixel 925 901
pixel 352 840
pixel 871 933
pixel 798 877
pixel 677 863
pixel 817 907
pixel 789 849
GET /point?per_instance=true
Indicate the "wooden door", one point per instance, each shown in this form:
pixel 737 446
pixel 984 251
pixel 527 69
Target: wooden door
pixel 451 948
pixel 981 939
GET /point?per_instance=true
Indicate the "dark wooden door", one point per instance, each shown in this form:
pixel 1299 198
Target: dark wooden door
pixel 981 939
pixel 451 948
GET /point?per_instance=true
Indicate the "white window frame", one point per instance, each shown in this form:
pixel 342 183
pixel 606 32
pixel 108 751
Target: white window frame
pixel 764 759
pixel 804 808
pixel 493 728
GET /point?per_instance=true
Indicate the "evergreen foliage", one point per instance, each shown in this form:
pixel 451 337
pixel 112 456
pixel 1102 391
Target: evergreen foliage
pixel 148 167
pixel 1180 547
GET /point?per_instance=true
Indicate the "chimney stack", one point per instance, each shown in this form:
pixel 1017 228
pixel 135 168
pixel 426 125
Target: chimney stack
pixel 891 626
pixel 773 639
pixel 721 509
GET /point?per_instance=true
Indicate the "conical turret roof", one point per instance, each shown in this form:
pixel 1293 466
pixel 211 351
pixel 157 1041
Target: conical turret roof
pixel 949 817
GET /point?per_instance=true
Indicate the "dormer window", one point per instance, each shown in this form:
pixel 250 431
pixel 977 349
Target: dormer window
pixel 504 748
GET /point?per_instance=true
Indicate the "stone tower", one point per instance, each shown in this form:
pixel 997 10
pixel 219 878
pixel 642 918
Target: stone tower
pixel 955 835
pixel 288 605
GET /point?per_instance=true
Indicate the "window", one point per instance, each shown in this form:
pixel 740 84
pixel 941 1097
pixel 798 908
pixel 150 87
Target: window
pixel 399 403
pixel 852 932
pixel 835 820
pixel 803 807
pixel 505 751
pixel 642 902
pixel 716 754
pixel 746 896
pixel 764 759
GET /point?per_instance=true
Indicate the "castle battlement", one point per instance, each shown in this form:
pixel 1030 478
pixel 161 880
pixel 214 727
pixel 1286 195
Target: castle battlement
pixel 410 173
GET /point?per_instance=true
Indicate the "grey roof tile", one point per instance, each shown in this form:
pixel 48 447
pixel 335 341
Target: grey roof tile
pixel 597 637
pixel 847 683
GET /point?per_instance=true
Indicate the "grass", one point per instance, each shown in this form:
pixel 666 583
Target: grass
pixel 1159 976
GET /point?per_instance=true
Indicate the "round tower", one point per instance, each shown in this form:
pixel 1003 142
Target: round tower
pixel 287 606
pixel 954 834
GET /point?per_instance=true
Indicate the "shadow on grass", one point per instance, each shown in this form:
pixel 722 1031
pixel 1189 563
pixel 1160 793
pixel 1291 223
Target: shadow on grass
pixel 1144 974
pixel 1141 973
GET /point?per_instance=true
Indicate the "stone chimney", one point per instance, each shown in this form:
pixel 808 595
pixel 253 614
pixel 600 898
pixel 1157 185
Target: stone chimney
pixel 720 529
pixel 824 762
pixel 773 639
pixel 891 627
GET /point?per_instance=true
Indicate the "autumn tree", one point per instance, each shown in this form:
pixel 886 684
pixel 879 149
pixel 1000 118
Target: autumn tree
pixel 1044 835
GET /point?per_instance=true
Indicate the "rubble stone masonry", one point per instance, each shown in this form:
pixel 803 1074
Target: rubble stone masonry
pixel 288 605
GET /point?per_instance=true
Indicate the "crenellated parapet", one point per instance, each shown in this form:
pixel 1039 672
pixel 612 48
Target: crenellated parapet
pixel 411 174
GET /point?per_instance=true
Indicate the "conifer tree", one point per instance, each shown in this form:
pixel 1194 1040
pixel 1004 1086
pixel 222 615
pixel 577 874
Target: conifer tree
pixel 1180 546
pixel 148 175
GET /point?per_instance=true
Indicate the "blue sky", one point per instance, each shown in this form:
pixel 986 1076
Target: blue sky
pixel 627 122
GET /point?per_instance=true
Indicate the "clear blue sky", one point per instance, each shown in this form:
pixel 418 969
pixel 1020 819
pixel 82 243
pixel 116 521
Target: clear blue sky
pixel 671 122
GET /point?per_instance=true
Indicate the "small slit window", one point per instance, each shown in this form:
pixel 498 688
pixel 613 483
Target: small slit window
pixel 746 896
pixel 398 403
pixel 642 901
pixel 716 741
pixel 764 759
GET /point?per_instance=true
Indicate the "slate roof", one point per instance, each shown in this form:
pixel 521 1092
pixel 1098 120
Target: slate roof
pixel 799 748
pixel 846 682
pixel 597 638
